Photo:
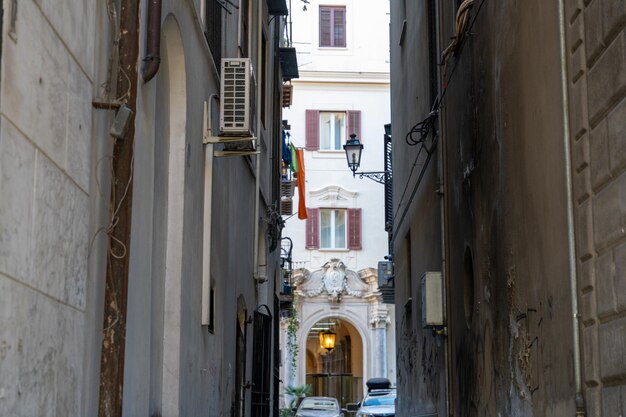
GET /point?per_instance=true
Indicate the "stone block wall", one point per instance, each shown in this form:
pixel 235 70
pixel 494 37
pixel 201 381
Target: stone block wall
pixel 46 90
pixel 596 49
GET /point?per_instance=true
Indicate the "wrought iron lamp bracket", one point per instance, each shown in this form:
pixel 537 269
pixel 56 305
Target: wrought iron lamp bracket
pixel 380 177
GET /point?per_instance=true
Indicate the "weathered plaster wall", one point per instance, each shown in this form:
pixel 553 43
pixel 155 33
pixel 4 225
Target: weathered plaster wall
pixel 507 206
pixel 54 209
pixel 417 240
pixel 510 335
pixel 179 367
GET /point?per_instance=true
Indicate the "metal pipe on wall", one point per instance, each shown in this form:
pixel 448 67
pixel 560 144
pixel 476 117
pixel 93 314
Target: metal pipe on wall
pixel 442 159
pixel 257 185
pixel 152 59
pixel 580 403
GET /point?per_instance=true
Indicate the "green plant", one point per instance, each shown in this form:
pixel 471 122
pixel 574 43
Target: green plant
pixel 286 412
pixel 297 392
pixel 292 340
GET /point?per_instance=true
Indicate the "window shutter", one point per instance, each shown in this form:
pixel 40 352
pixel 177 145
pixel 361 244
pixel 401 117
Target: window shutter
pixel 312 229
pixel 354 229
pixel 354 123
pixel 339 27
pixel 312 140
pixel 325 26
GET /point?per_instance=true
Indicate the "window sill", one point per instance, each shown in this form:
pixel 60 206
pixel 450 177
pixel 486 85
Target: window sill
pixel 333 250
pixel 328 51
pixel 330 154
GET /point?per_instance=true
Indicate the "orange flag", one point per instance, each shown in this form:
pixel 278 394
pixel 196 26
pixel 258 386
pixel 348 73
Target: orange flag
pixel 301 193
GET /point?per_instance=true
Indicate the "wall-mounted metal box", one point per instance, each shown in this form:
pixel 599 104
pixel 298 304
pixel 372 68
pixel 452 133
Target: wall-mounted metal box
pixel 432 300
pixel 385 271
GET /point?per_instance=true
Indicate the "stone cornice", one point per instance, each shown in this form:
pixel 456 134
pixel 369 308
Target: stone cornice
pixel 343 77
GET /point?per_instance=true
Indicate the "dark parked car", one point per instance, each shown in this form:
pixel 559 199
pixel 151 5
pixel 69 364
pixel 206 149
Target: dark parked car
pixel 319 407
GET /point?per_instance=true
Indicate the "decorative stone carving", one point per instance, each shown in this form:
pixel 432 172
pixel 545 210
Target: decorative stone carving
pixel 379 317
pixel 335 279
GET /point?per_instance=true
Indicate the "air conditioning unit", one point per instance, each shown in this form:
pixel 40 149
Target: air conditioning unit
pixel 237 97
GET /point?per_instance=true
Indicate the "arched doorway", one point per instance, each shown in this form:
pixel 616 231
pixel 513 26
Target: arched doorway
pixel 337 370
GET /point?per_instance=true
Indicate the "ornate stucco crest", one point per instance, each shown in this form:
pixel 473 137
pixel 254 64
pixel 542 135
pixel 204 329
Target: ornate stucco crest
pixel 335 279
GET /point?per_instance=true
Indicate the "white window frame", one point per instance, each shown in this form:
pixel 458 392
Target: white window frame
pixel 333 228
pixel 330 146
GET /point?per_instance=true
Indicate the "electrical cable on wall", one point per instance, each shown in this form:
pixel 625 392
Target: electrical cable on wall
pixel 421 131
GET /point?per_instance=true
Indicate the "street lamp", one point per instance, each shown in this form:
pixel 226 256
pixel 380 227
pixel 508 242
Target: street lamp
pixel 353 149
pixel 327 340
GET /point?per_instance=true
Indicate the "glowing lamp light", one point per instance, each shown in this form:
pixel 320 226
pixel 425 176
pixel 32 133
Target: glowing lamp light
pixel 327 340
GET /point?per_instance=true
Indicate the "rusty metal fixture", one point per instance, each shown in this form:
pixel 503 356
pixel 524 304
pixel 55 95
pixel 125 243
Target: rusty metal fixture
pixel 152 58
pixel 117 269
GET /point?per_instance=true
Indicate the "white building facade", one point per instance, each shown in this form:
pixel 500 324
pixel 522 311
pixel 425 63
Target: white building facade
pixel 343 58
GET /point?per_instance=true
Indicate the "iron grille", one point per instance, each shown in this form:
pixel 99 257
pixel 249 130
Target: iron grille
pixel 388 189
pixel 261 364
pixel 213 29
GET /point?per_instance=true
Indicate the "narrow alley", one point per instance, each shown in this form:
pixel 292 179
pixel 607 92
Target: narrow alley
pixel 313 208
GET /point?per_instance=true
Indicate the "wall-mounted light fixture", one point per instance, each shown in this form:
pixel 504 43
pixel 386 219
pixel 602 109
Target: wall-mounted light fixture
pixel 327 340
pixel 353 149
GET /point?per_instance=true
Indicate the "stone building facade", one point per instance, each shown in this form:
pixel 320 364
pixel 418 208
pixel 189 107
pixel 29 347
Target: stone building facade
pixel 517 198
pixel 343 83
pixel 350 304
pixel 191 315
pixel 596 56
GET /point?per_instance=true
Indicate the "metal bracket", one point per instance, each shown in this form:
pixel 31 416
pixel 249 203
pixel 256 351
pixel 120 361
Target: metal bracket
pixel 221 154
pixel 225 139
pixel 380 177
pixel 208 138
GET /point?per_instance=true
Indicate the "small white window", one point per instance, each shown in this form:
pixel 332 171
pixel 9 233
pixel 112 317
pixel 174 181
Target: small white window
pixel 332 229
pixel 332 131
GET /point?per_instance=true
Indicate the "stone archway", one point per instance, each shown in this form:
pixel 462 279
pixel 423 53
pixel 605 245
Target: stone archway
pixel 357 329
pixel 337 372
pixel 352 302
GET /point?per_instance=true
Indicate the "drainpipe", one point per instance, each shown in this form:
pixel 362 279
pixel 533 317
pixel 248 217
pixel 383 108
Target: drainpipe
pixel 152 59
pixel 442 166
pixel 257 184
pixel 580 400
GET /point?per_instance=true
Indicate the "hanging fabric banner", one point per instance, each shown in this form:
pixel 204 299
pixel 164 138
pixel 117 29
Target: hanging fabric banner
pixel 301 192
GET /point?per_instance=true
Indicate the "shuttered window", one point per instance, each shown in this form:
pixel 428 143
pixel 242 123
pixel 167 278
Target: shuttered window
pixel 333 229
pixel 332 26
pixel 330 130
pixel 312 229
pixel 354 123
pixel 354 229
pixel 312 130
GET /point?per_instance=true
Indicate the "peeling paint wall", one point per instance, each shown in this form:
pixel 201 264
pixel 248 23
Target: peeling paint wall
pixel 509 336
